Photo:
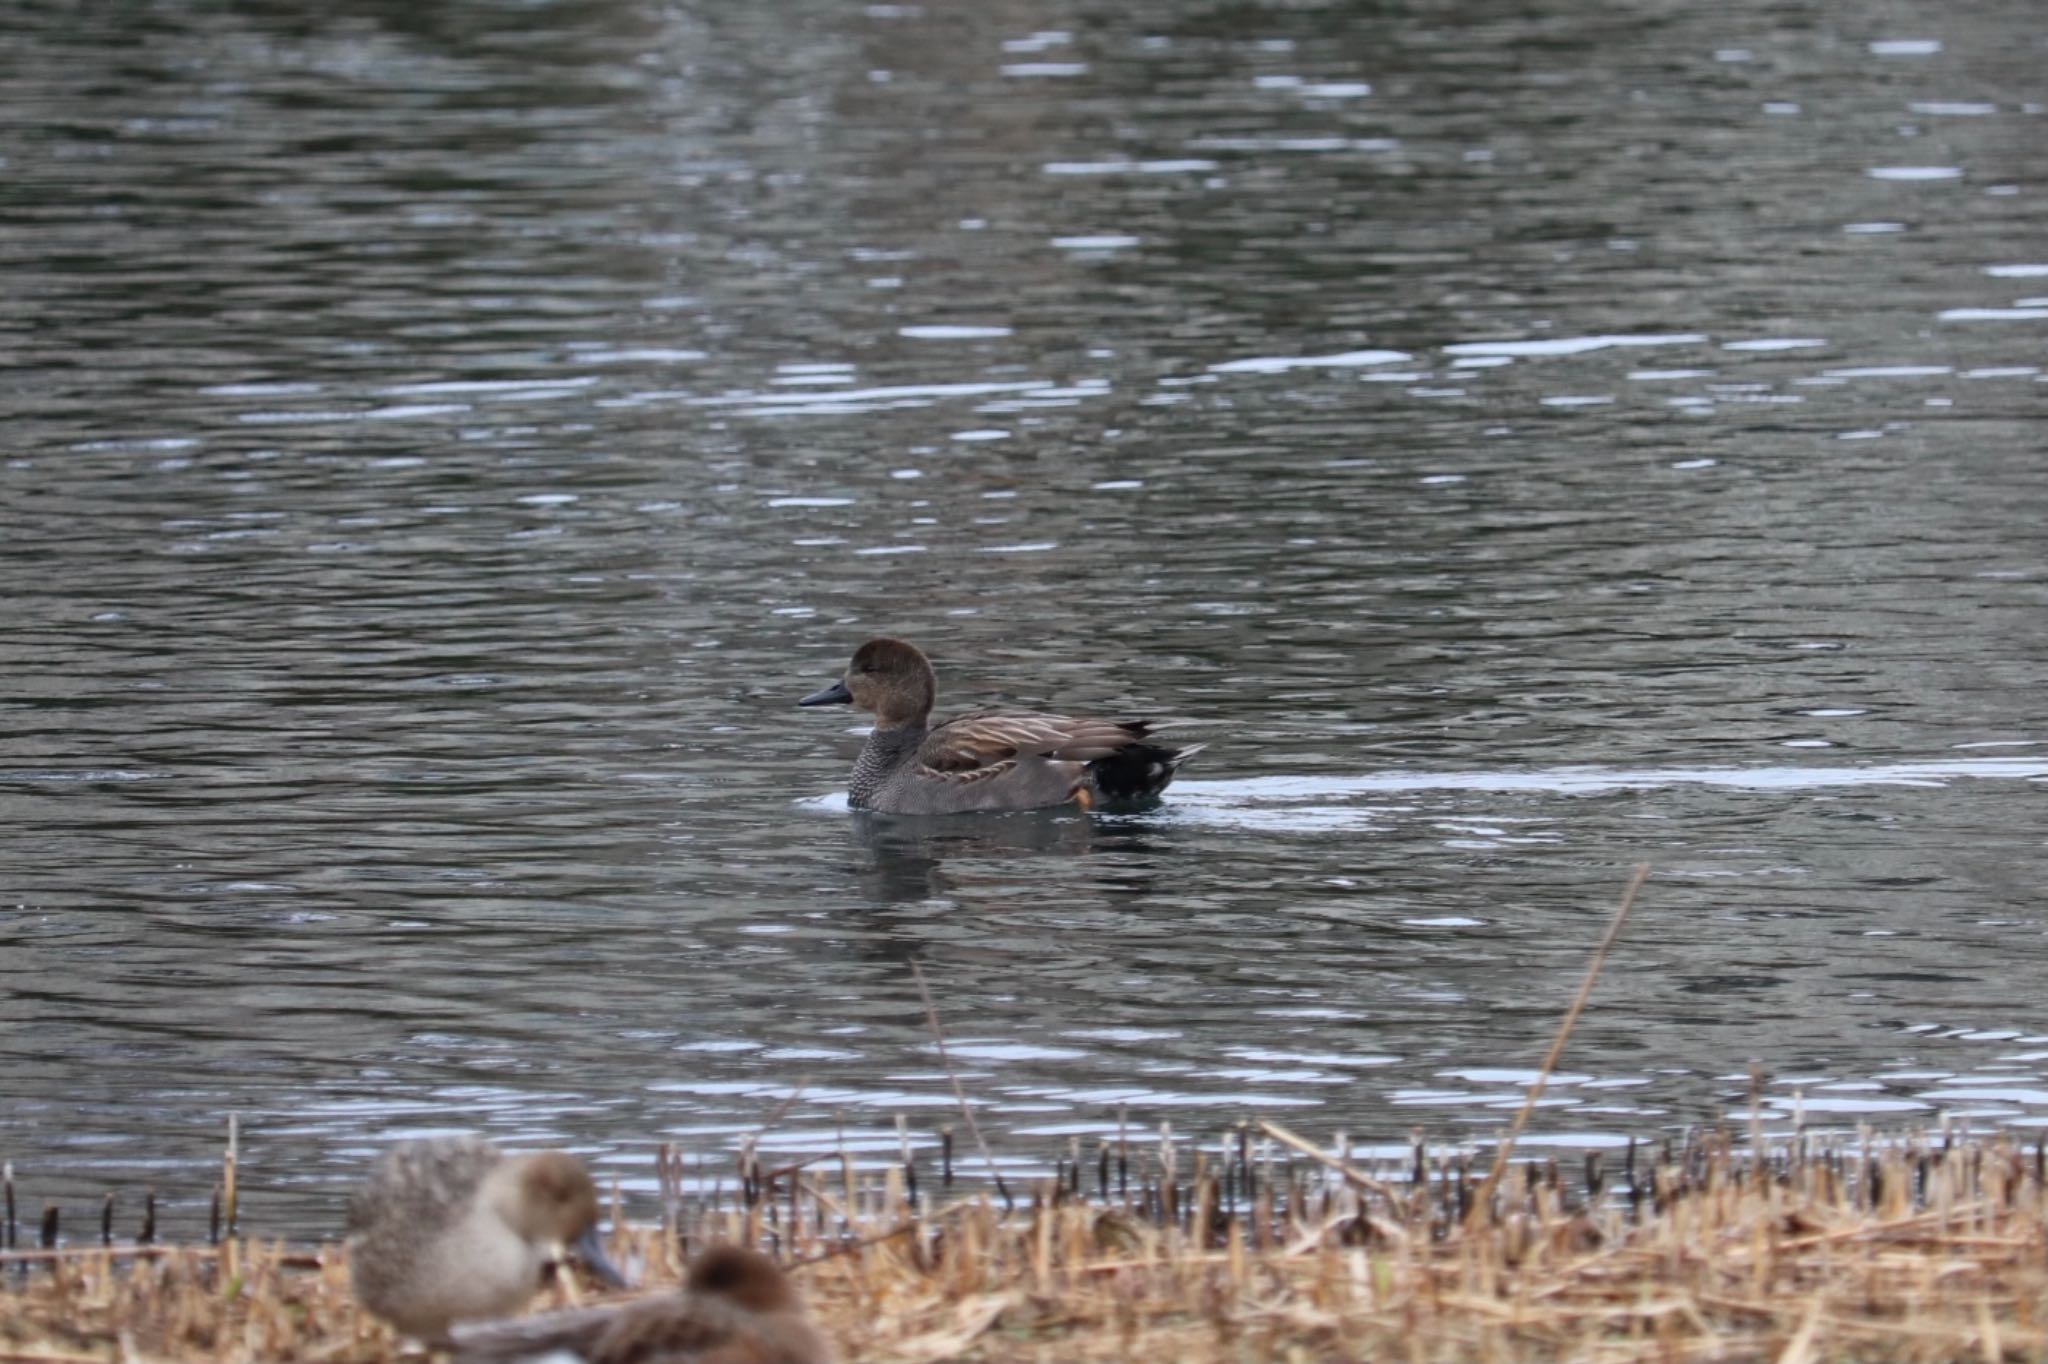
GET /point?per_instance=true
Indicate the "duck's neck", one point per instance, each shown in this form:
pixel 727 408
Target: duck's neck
pixel 886 750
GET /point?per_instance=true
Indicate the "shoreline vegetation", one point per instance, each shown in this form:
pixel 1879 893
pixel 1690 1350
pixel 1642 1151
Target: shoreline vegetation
pixel 1929 1246
pixel 1726 1244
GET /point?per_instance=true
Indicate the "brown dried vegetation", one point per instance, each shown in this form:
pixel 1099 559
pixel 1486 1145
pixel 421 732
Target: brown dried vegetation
pixel 1260 1249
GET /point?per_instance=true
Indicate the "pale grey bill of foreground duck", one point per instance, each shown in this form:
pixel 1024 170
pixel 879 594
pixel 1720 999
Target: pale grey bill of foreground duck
pixel 986 759
pixel 452 1229
pixel 736 1307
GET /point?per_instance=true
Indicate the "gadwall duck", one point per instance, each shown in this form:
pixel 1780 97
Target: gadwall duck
pixel 452 1229
pixel 735 1308
pixel 985 759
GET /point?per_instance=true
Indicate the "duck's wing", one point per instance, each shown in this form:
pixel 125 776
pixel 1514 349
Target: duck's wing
pixel 982 742
pixel 671 1328
pixel 565 1335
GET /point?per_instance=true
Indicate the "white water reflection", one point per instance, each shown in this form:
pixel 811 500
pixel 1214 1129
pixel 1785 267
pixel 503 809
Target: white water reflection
pixel 1309 804
pixel 1281 364
pixel 1571 345
pixel 1992 314
pixel 1304 802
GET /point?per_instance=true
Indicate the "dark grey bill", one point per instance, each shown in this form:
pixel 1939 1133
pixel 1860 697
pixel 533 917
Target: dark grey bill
pixel 835 693
pixel 590 1250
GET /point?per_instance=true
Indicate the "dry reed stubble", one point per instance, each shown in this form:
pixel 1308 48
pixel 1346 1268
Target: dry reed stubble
pixel 1906 1251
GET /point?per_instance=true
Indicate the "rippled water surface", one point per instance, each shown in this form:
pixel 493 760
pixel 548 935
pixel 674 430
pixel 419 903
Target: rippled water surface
pixel 1521 440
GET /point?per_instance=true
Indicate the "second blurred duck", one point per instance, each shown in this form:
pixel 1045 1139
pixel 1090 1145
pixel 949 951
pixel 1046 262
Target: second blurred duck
pixel 735 1308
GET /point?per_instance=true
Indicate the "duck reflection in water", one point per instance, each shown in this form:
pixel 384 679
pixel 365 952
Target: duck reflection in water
pixel 912 859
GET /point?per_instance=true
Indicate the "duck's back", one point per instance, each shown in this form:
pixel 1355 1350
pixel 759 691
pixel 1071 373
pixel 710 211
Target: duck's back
pixel 983 760
pixel 700 1330
pixel 418 1185
pixel 988 760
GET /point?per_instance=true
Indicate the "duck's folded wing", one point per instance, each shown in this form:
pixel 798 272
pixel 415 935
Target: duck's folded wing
pixel 661 1329
pixel 989 738
pixel 570 1334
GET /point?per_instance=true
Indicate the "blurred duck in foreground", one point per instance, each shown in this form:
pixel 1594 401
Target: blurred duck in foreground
pixel 453 1229
pixel 986 759
pixel 736 1307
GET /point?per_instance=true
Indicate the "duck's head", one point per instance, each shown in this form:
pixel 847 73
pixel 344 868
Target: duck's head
pixel 550 1201
pixel 887 676
pixel 742 1276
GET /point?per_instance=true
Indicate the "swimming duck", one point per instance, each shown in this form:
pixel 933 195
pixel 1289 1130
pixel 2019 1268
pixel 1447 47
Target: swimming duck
pixel 985 759
pixel 452 1229
pixel 736 1307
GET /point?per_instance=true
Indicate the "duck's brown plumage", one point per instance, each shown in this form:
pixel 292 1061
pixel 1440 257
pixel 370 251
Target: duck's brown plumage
pixel 981 740
pixel 993 759
pixel 737 1307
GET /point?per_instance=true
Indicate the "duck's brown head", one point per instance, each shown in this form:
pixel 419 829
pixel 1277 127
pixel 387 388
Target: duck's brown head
pixel 887 676
pixel 742 1276
pixel 551 1201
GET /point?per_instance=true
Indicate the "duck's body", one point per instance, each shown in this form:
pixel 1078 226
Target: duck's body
pixel 736 1308
pixel 453 1229
pixel 985 759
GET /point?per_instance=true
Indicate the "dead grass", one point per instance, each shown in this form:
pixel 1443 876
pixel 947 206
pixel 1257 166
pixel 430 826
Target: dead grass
pixel 1914 1249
